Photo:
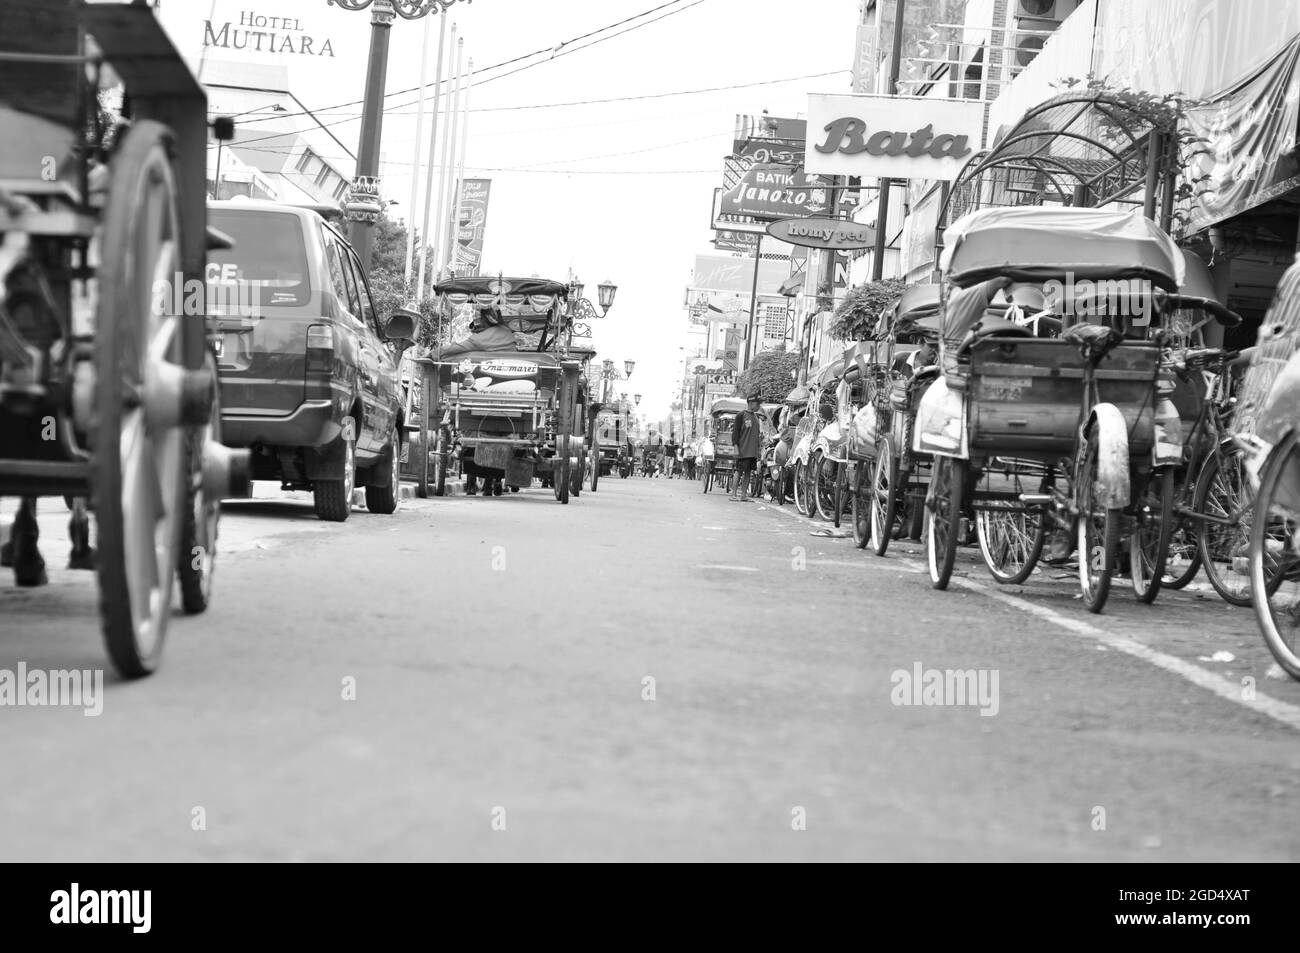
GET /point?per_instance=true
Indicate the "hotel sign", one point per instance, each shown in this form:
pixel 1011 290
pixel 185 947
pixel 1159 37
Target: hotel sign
pixel 823 233
pixel 902 137
pixel 258 33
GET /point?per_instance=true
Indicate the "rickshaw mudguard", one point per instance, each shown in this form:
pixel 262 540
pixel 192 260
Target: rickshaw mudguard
pixel 1110 433
pixel 803 449
pixel 864 432
pixel 941 423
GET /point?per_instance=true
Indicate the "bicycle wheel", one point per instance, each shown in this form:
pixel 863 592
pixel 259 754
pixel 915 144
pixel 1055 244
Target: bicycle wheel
pixel 824 486
pixel 1184 559
pixel 1011 540
pixel 1098 531
pixel 1153 527
pixel 801 489
pixel 943 520
pixel 1275 555
pixel 884 496
pixel 1223 493
pixel 861 507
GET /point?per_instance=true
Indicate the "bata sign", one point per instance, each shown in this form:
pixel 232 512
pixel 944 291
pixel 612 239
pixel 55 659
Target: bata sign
pixel 822 233
pixel 900 137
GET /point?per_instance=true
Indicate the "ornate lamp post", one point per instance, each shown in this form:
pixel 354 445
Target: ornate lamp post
pixel 609 373
pixel 581 309
pixel 362 207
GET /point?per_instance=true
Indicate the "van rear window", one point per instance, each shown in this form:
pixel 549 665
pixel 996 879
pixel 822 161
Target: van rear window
pixel 268 250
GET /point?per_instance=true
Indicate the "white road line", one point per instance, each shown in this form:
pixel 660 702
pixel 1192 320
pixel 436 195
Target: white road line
pixel 1227 689
pixel 728 568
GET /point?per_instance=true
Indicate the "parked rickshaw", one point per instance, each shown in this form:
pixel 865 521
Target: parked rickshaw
pixel 1269 429
pixel 814 485
pixel 519 411
pixel 721 415
pixel 1071 429
pixel 108 388
pixel 897 365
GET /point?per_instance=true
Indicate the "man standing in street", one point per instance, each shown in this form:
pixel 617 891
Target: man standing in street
pixel 746 437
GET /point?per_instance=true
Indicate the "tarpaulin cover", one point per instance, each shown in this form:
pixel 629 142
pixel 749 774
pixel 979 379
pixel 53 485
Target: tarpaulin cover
pixel 1036 243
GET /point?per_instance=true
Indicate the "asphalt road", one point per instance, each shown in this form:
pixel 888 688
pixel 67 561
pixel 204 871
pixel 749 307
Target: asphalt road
pixel 646 673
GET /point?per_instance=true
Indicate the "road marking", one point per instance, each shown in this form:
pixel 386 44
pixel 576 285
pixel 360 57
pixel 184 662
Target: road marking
pixel 728 568
pixel 1225 688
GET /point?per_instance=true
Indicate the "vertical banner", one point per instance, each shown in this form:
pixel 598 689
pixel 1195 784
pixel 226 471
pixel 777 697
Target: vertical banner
pixel 470 222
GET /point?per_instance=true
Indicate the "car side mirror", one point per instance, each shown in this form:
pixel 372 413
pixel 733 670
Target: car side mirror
pixel 401 325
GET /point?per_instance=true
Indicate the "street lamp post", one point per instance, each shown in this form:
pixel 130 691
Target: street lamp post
pixel 216 178
pixel 362 208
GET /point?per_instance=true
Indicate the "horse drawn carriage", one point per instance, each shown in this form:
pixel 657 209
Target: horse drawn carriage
pixel 108 390
pixel 520 412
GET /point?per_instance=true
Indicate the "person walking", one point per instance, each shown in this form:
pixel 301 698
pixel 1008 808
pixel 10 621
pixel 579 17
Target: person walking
pixel 747 438
pixel 688 458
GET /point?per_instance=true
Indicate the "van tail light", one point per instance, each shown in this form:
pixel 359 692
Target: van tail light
pixel 320 348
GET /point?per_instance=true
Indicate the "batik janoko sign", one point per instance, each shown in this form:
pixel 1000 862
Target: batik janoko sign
pixel 774 191
pixel 823 233
pixel 902 137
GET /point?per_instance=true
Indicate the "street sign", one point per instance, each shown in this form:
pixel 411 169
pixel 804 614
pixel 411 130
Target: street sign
pixel 823 233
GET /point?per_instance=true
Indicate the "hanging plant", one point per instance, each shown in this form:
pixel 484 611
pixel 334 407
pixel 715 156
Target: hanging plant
pixel 857 314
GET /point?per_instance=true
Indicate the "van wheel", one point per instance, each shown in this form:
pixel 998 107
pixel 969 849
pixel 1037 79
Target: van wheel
pixel 383 499
pixel 333 498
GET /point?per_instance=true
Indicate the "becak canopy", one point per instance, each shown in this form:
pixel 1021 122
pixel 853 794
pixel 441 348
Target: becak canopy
pixel 522 304
pixel 1037 243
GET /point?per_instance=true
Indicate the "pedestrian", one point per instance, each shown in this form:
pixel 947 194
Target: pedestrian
pixel 670 457
pixel 747 438
pixel 706 457
pixel 688 456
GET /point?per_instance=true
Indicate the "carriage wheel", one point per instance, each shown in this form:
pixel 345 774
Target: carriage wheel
pixel 579 474
pixel 140 464
pixel 419 446
pixel 593 461
pixel 884 496
pixel 1098 535
pixel 561 475
pixel 198 549
pixel 1149 542
pixel 1011 540
pixel 1275 555
pixel 943 522
pixel 1222 490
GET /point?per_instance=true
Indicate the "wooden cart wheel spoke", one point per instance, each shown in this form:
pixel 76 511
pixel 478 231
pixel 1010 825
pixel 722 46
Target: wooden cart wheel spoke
pixel 141 469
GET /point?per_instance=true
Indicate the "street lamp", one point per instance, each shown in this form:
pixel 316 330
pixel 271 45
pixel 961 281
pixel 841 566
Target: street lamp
pixel 362 208
pixel 580 307
pixel 216 179
pixel 628 367
pixel 608 373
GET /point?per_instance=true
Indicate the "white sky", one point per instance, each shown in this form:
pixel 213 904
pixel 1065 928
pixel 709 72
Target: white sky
pixel 619 190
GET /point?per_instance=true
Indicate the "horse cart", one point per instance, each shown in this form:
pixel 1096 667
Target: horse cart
pixel 108 389
pixel 519 411
pixel 1053 409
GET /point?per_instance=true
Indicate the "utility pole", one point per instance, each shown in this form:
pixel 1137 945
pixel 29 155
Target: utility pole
pixel 882 215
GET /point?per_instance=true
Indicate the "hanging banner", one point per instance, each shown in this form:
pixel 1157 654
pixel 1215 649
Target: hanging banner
pixel 736 275
pixel 1251 131
pixel 902 137
pixel 471 223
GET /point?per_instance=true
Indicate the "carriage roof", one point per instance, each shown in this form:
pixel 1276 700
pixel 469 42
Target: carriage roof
pixel 1034 243
pixel 525 304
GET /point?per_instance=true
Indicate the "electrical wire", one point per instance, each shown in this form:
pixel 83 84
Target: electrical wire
pixel 487 69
